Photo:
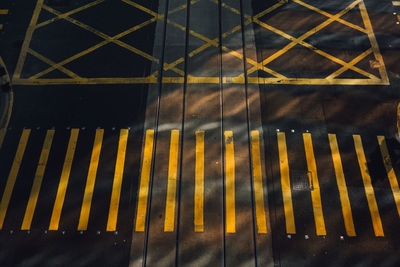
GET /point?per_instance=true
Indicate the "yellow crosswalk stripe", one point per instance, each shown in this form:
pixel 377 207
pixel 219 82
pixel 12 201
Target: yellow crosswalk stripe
pixel 394 185
pixel 91 178
pixel 144 181
pixel 37 181
pixel 341 183
pixel 62 186
pixel 12 177
pixel 315 190
pixel 285 181
pixel 117 183
pixel 199 184
pixel 230 213
pixel 169 222
pixel 369 190
pixel 258 185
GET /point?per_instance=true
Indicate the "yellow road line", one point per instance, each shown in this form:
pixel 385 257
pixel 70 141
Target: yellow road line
pixel 69 13
pixel 352 63
pixel 315 190
pixel 51 63
pixel 198 80
pixel 169 222
pixel 91 179
pixel 300 40
pixel 136 5
pixel 268 10
pixel 12 177
pixel 356 27
pixel 390 171
pixel 199 184
pixel 62 186
pixel 87 51
pixel 341 183
pixel 27 40
pixel 369 190
pixel 396 3
pixel 37 181
pixel 258 184
pixel 1 26
pixel 230 216
pixel 374 43
pixel 3 11
pixel 144 181
pixel 100 34
pixel 117 184
pixel 285 181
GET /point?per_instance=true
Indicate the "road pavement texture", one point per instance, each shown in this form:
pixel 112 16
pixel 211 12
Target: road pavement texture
pixel 200 133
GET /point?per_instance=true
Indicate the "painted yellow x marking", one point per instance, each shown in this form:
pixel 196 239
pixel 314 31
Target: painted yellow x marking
pixel 98 33
pixel 300 40
pixel 69 13
pixel 108 39
pixel 351 25
pixel 214 42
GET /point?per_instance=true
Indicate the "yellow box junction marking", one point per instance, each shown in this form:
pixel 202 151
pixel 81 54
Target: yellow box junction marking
pixel 117 184
pixel 199 184
pixel 230 214
pixel 369 190
pixel 37 181
pixel 394 185
pixel 90 181
pixel 144 181
pixel 341 183
pixel 258 184
pixel 315 191
pixel 12 177
pixel 276 79
pixel 169 222
pixel 285 181
pixel 63 184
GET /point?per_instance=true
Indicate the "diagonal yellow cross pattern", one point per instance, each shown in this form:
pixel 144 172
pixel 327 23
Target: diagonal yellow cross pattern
pixel 264 65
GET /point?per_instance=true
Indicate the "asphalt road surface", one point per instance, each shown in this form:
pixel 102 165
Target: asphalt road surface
pixel 200 133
